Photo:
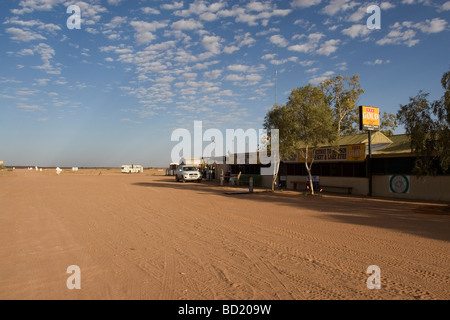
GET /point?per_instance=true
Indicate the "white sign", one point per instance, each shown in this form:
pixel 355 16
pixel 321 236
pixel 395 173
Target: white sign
pixel 399 184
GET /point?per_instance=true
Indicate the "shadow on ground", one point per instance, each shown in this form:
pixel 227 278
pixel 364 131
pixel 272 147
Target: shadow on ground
pixel 424 220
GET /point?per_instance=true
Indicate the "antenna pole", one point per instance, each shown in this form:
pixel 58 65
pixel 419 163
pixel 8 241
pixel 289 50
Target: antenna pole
pixel 276 84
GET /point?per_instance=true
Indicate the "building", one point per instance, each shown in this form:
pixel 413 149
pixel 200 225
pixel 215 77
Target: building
pixel 347 169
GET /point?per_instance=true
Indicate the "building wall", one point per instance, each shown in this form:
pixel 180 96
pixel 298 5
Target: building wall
pixel 431 188
pixel 360 185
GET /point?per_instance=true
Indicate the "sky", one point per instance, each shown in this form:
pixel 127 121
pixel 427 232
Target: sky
pixel 113 91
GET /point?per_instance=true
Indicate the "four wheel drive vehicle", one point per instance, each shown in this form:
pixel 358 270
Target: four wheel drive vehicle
pixel 188 173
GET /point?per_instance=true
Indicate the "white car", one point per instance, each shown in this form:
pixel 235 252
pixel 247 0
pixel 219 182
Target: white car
pixel 188 173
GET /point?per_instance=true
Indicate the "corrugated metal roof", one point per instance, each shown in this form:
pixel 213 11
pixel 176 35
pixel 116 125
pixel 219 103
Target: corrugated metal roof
pixel 377 138
pixel 381 144
pixel 401 144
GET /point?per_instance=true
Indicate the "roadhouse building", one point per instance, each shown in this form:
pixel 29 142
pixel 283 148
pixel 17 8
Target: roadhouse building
pixel 347 170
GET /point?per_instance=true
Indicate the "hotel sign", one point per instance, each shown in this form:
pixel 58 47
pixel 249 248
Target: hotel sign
pixel 369 118
pixel 352 153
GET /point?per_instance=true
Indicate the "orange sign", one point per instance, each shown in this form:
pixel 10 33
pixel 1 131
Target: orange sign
pixel 369 118
pixel 356 152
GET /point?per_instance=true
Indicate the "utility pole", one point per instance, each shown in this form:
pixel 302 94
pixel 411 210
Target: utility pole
pixel 369 119
pixel 369 163
pixel 276 85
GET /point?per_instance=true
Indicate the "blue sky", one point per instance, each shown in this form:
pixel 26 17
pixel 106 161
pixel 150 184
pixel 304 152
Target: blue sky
pixel 112 92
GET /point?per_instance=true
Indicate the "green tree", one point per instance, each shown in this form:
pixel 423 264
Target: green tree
pixel 304 123
pixel 343 93
pixel 429 127
pixel 388 123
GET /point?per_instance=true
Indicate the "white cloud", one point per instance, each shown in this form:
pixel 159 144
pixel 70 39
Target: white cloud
pixel 250 79
pixel 34 24
pixel 386 5
pixel 254 13
pixel 172 6
pixel 26 52
pixel 238 68
pixel 116 22
pixel 356 30
pixel 278 62
pixel 358 15
pixel 377 62
pixel 336 6
pixel 258 6
pixel 445 6
pixel 114 2
pixel 28 6
pixel 305 3
pixel 399 36
pixel 183 24
pixel 208 16
pixel 201 8
pixel 328 47
pixel 431 26
pixel 312 70
pixel 319 79
pixel 213 74
pixel 426 2
pixel 30 108
pixel 144 30
pixel 42 82
pixel 230 49
pixel 245 40
pixel 212 44
pixel 279 40
pixel 24 35
pixel 90 13
pixel 46 52
pixel 268 56
pixel 148 10
pixel 342 66
pixel 310 45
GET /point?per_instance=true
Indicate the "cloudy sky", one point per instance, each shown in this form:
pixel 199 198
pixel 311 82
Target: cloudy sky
pixel 113 91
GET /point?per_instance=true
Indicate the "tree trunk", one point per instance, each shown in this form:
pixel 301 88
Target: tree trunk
pixel 311 184
pixel 308 168
pixel 276 170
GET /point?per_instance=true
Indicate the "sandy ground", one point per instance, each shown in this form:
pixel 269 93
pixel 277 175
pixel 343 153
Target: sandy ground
pixel 148 237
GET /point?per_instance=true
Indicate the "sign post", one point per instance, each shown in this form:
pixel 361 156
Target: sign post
pixel 369 120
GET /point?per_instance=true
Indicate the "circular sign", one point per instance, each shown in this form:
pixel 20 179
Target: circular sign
pixel 399 184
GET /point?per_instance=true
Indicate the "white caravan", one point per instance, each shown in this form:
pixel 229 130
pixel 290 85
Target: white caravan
pixel 132 169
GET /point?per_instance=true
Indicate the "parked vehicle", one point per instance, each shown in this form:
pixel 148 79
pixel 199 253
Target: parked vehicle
pixel 188 173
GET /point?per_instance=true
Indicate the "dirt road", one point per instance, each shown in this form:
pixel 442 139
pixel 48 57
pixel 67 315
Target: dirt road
pixel 148 237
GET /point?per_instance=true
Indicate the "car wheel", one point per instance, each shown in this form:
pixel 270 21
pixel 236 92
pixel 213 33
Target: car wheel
pixel 183 180
pixel 176 179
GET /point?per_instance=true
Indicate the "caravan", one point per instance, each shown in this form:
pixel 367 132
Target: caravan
pixel 132 169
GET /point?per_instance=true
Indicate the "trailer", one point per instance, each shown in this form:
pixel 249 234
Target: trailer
pixel 132 168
